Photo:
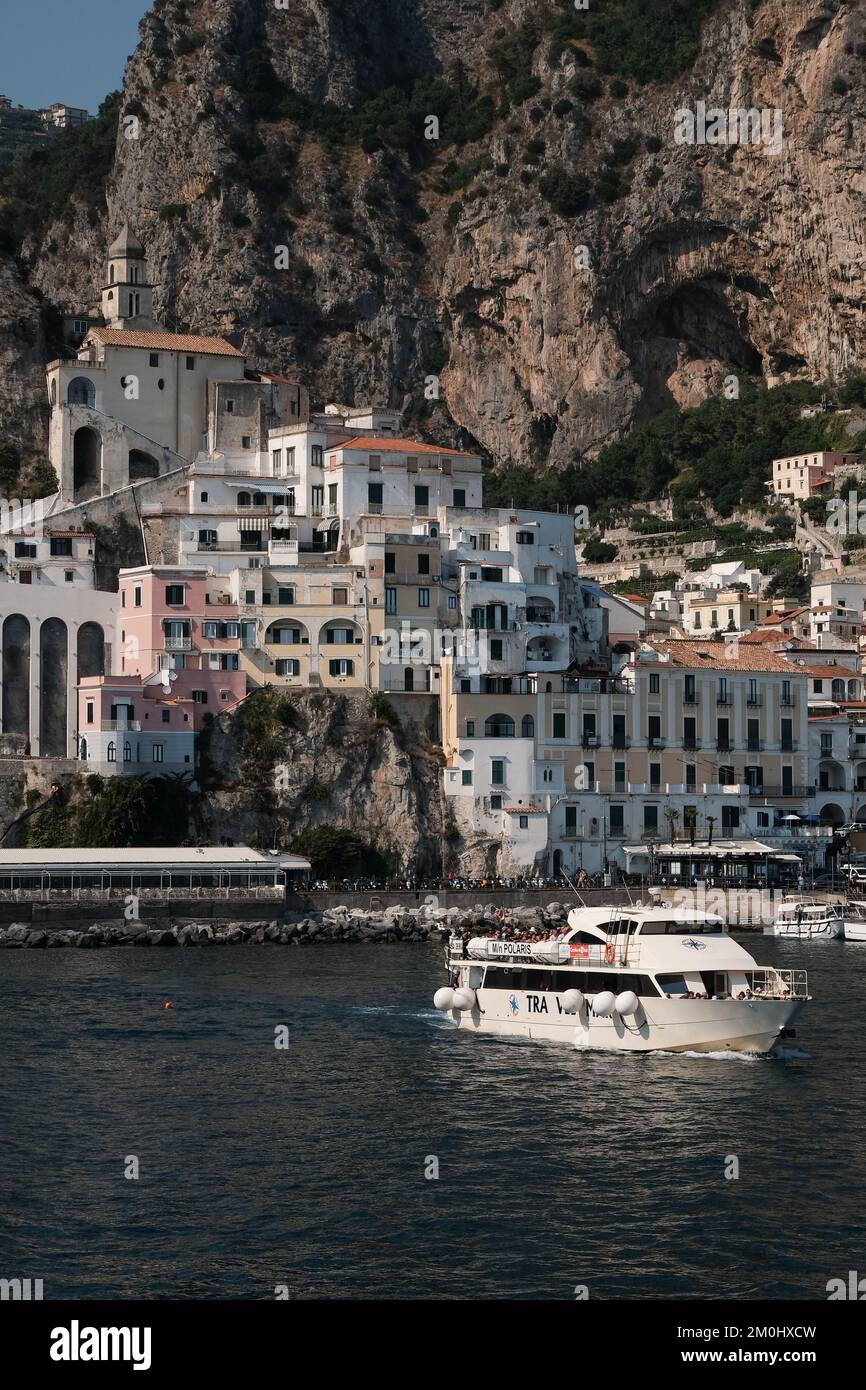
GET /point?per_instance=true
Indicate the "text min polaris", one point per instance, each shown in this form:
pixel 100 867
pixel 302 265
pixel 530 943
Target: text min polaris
pixel 637 979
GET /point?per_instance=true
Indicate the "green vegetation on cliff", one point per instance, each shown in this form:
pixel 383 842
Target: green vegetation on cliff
pixel 116 812
pixel 45 183
pixel 648 40
pixel 719 451
pixel 338 854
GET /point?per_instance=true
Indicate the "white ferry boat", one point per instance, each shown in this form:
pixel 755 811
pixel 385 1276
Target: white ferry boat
pixel 809 919
pixel 855 920
pixel 637 979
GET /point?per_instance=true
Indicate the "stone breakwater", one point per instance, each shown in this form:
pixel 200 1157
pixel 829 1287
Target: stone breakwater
pixel 335 924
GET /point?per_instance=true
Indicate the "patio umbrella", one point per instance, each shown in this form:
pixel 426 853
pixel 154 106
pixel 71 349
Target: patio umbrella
pixel 791 817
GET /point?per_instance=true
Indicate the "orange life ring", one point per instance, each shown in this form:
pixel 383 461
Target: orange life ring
pixel 609 955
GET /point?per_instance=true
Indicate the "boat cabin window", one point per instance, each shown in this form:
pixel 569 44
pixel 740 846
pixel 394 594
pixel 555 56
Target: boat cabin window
pixel 672 984
pixel 681 929
pixel 558 981
pixel 585 937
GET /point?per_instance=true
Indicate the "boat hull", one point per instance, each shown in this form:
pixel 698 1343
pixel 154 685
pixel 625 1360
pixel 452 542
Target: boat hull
pixel 661 1025
pixel 855 931
pixel 807 931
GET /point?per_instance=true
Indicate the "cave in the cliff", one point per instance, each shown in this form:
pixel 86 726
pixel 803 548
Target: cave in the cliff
pixel 693 334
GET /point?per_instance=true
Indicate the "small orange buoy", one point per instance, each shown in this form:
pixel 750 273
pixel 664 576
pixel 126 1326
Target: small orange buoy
pixel 168 1004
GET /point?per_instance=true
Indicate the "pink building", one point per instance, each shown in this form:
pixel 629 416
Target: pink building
pixel 134 725
pixel 170 625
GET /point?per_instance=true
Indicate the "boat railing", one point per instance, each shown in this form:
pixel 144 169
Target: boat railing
pixel 769 983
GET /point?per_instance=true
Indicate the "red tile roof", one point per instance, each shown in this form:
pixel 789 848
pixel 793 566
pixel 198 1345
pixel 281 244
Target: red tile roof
pixel 395 446
pixel 167 342
pixel 774 634
pixel 708 656
pixel 831 672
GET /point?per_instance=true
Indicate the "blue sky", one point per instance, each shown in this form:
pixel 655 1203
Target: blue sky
pixel 66 50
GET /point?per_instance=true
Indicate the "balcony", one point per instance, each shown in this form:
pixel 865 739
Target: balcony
pixel 620 742
pixel 755 701
pixel 690 745
pixel 594 685
pixel 690 699
pixel 178 644
pixel 724 700
pixel 753 745
pixel 723 745
pixel 790 793
pixel 237 547
pixel 787 702
pixel 589 741
pixel 282 549
pixel 119 726
pixel 788 745
pixel 655 743
pixel 541 615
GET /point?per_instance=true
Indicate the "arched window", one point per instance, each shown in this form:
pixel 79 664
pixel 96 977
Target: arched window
pixel 244 499
pixel 838 690
pixel 499 726
pixel 112 752
pixel 259 499
pixel 127 753
pixel 81 391
pixel 527 726
pixel 111 275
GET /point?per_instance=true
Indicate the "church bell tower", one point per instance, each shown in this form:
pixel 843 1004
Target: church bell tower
pixel 127 298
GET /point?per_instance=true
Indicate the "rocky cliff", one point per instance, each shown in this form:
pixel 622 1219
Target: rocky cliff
pixel 249 127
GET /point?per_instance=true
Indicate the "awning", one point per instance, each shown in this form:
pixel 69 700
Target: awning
pixel 262 484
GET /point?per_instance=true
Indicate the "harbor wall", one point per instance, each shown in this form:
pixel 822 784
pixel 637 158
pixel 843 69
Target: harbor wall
pixel 741 910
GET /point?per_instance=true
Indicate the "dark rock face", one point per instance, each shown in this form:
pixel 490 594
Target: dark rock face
pixel 713 260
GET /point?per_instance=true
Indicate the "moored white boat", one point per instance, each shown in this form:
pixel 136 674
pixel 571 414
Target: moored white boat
pixel 855 920
pixel 809 919
pixel 636 979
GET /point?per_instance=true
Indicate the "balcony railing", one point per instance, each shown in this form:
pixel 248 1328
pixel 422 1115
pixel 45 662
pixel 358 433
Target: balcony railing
pixel 178 644
pixel 594 685
pixel 690 699
pixel 619 742
pixel 754 701
pixel 753 745
pixel 723 745
pixel 589 741
pixel 788 745
pixel 238 547
pixel 794 793
pixel 119 726
pixel 690 744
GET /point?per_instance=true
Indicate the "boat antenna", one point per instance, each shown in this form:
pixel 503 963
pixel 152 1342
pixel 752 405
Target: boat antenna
pixel 572 887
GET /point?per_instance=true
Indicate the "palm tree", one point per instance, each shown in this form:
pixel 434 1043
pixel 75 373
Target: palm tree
pixel 672 816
